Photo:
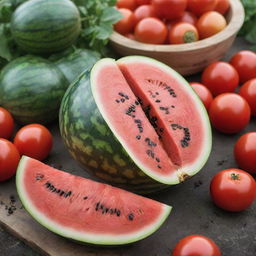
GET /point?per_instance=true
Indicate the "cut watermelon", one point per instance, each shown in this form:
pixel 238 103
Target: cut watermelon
pixel 136 123
pixel 85 210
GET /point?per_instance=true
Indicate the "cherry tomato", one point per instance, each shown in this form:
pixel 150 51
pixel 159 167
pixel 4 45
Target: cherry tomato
pixel 182 33
pixel 220 77
pixel 233 190
pixel 229 113
pixel 142 2
pixel 127 4
pixel 245 152
pixel 199 7
pixel 151 31
pixel 187 17
pixel 222 6
pixel 34 140
pixel 144 11
pixel 248 92
pixel 169 9
pixel 127 23
pixel 210 23
pixel 130 36
pixel 6 124
pixel 9 159
pixel 245 64
pixel 203 93
pixel 196 245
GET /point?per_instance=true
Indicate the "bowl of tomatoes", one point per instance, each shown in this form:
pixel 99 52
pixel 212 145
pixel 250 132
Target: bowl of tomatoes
pixel 187 35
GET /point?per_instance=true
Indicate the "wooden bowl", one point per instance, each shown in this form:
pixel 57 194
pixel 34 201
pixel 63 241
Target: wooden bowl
pixel 189 58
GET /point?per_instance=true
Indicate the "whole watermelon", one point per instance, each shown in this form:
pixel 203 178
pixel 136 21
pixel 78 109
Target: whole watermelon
pixel 31 88
pixel 73 62
pixel 45 26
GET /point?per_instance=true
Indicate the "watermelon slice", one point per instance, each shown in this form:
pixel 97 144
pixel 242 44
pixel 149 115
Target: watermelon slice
pixel 85 210
pixel 136 123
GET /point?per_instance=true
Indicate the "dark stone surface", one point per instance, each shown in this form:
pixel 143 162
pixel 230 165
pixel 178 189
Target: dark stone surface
pixel 193 211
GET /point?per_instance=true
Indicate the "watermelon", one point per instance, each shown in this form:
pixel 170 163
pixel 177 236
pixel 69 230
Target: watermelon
pixel 136 123
pixel 45 26
pixel 85 210
pixel 31 88
pixel 73 62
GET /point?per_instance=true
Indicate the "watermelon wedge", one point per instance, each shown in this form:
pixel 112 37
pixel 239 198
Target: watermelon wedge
pixel 85 210
pixel 136 123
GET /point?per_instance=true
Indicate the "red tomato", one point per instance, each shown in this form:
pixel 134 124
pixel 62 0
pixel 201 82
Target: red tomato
pixel 6 124
pixel 248 92
pixel 196 245
pixel 127 4
pixel 169 9
pixel 245 64
pixel 229 113
pixel 151 31
pixel 222 6
pixel 144 11
pixel 233 190
pixel 142 2
pixel 182 33
pixel 9 159
pixel 34 140
pixel 220 77
pixel 203 93
pixel 210 23
pixel 127 23
pixel 199 7
pixel 245 152
pixel 187 17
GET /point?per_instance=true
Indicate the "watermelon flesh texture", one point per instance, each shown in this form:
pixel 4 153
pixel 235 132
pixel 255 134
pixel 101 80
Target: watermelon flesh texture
pixel 126 118
pixel 182 134
pixel 85 210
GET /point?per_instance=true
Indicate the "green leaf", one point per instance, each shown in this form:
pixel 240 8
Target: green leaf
pixel 110 15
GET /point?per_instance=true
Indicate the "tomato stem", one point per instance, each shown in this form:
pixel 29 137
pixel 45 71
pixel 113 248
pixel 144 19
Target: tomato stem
pixel 189 37
pixel 235 176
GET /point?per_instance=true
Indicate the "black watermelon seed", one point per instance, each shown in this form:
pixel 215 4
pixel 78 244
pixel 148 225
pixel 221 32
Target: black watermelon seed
pixel 157 159
pixel 118 213
pixel 58 191
pixel 126 97
pixel 157 93
pixel 101 206
pixel 106 210
pixel 121 94
pixel 117 101
pixel 159 166
pixel 54 190
pixel 136 102
pixel 85 197
pixel 138 137
pixel 97 206
pixel 61 193
pixel 158 101
pixel 131 216
pixel 172 106
pixel 122 100
pixel 111 211
pixel 161 129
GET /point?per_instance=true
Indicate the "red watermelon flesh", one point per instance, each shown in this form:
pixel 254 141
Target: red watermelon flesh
pixel 168 134
pixel 176 119
pixel 83 209
pixel 124 111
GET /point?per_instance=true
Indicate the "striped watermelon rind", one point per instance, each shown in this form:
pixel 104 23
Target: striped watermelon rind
pixel 45 26
pixel 31 88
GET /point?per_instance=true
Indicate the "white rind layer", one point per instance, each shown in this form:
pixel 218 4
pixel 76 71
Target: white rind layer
pixel 176 176
pixel 85 237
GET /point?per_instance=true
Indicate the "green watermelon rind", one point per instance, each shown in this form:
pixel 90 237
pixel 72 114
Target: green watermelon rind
pixel 184 171
pixel 96 239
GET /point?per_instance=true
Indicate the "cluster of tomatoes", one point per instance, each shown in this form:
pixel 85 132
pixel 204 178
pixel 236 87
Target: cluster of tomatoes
pixel 171 21
pixel 33 140
pixel 231 189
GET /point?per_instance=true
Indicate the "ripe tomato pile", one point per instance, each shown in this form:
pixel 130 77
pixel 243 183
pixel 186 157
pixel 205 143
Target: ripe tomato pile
pixel 32 140
pixel 171 21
